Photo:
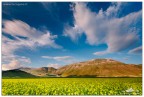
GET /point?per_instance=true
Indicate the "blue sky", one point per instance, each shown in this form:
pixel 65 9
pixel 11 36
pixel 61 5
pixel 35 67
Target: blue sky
pixel 39 34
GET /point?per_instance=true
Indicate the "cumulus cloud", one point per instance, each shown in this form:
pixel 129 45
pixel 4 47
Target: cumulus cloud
pixel 73 32
pixel 105 27
pixel 23 36
pixel 137 50
pixel 14 64
pixel 22 59
pixel 32 37
pixel 54 65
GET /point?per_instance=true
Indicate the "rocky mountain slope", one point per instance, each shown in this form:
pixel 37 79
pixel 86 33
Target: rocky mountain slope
pixel 100 68
pixel 91 68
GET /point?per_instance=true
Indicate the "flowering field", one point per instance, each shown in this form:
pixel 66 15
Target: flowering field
pixel 72 86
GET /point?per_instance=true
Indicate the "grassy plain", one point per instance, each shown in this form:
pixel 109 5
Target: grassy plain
pixel 72 86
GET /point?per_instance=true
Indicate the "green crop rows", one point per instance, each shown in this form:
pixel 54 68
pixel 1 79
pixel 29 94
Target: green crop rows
pixel 72 86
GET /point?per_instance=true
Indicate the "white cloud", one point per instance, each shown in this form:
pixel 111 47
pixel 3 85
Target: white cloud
pixel 65 59
pixel 14 64
pixel 73 32
pixel 32 36
pixel 62 58
pixel 58 58
pixel 100 53
pixel 105 27
pixel 24 36
pixel 48 57
pixel 14 61
pixel 137 50
pixel 54 65
pixel 22 59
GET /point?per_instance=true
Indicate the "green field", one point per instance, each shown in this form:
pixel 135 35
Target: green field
pixel 72 86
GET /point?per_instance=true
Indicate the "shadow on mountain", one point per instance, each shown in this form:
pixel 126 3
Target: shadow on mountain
pixel 16 73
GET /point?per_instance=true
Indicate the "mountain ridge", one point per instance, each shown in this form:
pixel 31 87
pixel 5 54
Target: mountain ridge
pixel 90 68
pixel 100 68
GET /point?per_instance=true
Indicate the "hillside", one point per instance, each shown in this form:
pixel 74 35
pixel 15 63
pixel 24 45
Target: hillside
pixel 43 71
pixel 100 68
pixel 16 73
pixel 91 68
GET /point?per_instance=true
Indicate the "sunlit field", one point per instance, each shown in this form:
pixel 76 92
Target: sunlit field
pixel 72 86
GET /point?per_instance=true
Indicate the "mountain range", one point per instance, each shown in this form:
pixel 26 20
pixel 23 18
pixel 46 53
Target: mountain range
pixel 90 68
